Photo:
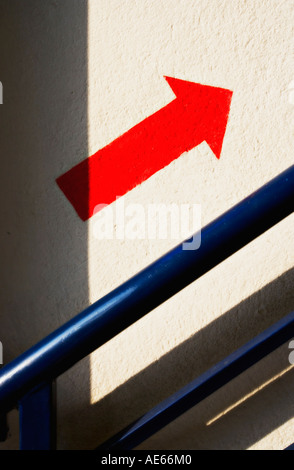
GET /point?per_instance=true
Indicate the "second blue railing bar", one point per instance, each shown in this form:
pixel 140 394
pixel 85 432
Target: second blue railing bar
pixel 203 386
pixel 146 290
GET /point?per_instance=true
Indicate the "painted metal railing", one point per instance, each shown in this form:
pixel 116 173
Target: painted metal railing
pixel 203 386
pixel 27 381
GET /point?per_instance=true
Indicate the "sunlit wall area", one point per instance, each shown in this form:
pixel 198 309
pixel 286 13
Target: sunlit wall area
pixel 244 47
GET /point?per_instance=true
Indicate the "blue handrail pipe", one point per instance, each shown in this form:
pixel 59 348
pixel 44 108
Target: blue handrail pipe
pixel 35 369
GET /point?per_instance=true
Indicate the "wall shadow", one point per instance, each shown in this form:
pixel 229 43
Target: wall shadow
pixel 43 125
pixel 173 370
pixel 244 425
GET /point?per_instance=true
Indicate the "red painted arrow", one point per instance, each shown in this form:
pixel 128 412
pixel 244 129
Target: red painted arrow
pixel 198 113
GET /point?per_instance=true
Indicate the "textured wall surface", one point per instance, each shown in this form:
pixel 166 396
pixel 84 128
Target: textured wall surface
pixel 78 74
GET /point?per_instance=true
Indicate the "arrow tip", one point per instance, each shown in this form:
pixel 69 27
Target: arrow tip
pixel 212 105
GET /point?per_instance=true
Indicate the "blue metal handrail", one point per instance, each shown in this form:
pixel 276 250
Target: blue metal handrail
pixel 200 388
pixel 146 290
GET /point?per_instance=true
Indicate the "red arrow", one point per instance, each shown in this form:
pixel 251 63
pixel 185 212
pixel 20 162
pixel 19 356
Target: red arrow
pixel 198 113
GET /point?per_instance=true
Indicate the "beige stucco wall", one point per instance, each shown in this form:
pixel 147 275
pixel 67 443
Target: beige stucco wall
pixel 78 74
